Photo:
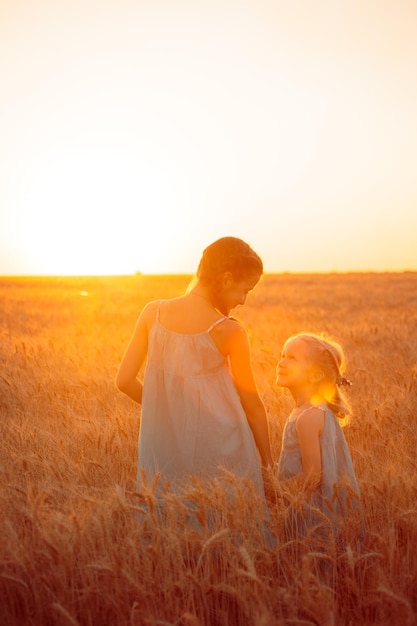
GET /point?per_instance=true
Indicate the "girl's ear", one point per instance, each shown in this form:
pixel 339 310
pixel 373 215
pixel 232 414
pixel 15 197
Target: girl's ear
pixel 316 375
pixel 227 280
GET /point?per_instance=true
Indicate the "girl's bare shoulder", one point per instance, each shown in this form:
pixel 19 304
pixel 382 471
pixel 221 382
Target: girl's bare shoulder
pixel 230 336
pixel 149 313
pixel 311 420
pixel 232 328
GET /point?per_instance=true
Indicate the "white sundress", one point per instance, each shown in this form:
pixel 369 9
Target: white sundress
pixel 192 421
pixel 338 494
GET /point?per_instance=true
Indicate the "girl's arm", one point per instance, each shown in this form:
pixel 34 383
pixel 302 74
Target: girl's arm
pixel 238 350
pixel 309 427
pixel 134 356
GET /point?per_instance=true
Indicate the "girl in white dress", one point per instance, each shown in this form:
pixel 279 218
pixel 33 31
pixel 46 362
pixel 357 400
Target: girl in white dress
pixel 200 407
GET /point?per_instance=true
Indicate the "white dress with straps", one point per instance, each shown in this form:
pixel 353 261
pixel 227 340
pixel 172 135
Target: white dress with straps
pixel 338 494
pixel 192 419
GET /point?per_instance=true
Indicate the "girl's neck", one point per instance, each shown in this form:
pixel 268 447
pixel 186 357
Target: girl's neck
pixel 301 400
pixel 305 399
pixel 204 294
pixel 299 409
pixel 201 294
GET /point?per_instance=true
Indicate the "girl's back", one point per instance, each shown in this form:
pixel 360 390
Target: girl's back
pixel 192 315
pixel 182 344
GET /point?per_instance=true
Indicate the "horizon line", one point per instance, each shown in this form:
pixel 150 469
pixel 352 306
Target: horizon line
pixel 265 273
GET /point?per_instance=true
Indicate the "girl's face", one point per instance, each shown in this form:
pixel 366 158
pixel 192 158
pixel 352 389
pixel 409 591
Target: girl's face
pixel 294 369
pixel 234 292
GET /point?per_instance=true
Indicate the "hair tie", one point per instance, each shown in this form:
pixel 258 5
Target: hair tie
pixel 342 381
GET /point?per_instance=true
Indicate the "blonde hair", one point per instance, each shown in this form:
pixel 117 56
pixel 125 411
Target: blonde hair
pixel 328 356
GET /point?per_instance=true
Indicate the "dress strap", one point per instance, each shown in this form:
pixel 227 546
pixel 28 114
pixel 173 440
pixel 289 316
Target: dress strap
pixel 321 407
pixel 219 321
pixel 158 310
pixel 303 411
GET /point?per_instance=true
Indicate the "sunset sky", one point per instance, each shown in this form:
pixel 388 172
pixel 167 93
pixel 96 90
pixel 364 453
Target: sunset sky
pixel 134 133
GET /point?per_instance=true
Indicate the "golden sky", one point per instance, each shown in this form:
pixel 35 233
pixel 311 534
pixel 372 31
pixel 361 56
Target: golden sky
pixel 134 133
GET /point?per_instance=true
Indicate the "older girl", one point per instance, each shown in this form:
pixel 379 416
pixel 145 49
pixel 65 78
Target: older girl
pixel 200 407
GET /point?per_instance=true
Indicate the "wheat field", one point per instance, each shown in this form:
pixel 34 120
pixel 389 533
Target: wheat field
pixel 77 547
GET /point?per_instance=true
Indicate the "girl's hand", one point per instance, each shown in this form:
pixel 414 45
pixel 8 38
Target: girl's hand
pixel 135 354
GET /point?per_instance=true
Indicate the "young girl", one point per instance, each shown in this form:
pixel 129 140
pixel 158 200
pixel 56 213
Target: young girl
pixel 314 450
pixel 200 407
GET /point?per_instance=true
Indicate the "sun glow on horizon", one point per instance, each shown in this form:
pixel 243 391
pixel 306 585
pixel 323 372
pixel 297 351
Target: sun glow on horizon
pixel 122 199
pixel 133 152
